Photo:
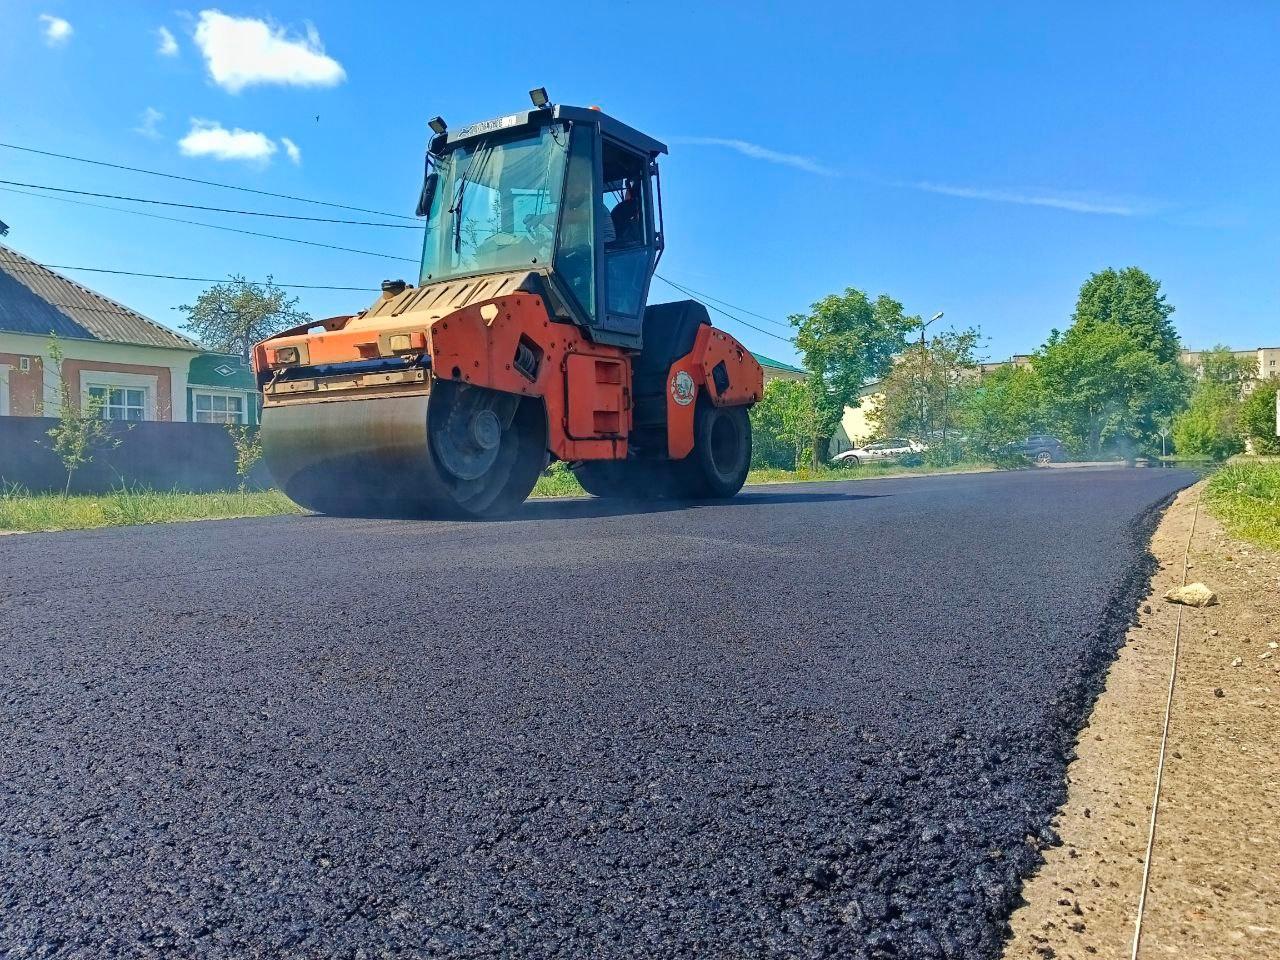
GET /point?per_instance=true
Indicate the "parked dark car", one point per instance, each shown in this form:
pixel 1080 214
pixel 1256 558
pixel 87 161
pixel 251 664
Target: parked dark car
pixel 1039 449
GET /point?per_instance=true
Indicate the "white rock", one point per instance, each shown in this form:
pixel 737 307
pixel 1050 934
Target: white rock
pixel 1192 595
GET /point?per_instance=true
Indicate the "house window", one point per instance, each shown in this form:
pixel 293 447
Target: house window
pixel 219 408
pixel 119 403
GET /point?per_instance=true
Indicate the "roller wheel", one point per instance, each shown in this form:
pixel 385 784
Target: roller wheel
pixel 487 447
pixel 609 479
pixel 717 467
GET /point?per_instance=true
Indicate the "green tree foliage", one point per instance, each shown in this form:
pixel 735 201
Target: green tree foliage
pixel 782 425
pixel 1220 365
pixel 1002 407
pixel 81 430
pixel 1257 418
pixel 1209 427
pixel 247 441
pixel 846 340
pixel 1100 387
pixel 231 317
pixel 924 390
pixel 1130 299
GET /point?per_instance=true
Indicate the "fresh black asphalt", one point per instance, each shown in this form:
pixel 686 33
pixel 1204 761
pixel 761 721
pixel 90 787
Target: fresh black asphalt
pixel 819 720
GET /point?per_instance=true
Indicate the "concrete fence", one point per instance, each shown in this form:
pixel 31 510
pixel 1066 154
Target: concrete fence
pixel 191 457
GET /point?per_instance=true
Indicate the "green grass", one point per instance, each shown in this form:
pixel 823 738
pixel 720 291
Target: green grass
pixel 22 511
pixel 559 480
pixel 1246 498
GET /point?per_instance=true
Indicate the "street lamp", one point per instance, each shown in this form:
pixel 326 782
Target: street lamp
pixel 936 316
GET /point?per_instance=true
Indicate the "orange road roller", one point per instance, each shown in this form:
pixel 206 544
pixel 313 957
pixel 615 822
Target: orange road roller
pixel 529 337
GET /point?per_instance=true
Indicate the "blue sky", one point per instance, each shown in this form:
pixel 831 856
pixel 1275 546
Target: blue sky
pixel 981 159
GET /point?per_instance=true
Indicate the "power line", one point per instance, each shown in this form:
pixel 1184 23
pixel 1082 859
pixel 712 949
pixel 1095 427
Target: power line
pixel 689 293
pixel 207 183
pixel 725 303
pixel 167 276
pixel 211 226
pixel 195 206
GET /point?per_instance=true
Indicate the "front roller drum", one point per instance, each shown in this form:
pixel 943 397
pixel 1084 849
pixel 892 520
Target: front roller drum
pixel 459 451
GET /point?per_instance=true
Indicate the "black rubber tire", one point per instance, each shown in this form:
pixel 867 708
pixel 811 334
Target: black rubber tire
pixel 608 479
pixel 717 467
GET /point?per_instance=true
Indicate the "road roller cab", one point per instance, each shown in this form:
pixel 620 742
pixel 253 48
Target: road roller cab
pixel 528 335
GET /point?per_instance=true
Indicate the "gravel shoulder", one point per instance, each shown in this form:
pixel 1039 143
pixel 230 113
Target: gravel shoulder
pixel 1214 890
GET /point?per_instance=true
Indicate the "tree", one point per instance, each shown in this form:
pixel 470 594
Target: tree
pixel 81 430
pixel 1002 407
pixel 922 391
pixel 1209 426
pixel 231 317
pixel 247 441
pixel 1257 419
pixel 1100 385
pixel 782 425
pixel 1220 365
pixel 846 341
pixel 1130 299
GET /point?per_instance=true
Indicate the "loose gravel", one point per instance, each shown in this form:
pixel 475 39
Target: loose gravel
pixel 824 720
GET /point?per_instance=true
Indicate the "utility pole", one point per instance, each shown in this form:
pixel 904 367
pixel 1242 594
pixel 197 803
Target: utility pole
pixel 923 383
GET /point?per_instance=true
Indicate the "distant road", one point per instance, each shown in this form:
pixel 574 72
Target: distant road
pixel 816 720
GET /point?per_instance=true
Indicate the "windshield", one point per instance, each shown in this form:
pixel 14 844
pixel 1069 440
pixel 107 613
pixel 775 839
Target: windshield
pixel 496 205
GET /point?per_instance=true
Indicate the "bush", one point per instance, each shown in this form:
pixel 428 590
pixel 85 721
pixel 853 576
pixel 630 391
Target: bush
pixel 1208 427
pixel 1257 418
pixel 1006 460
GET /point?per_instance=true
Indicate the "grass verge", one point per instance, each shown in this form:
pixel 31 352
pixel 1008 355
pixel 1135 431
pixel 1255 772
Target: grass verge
pixel 1246 498
pixel 21 511
pixel 559 481
pixel 27 512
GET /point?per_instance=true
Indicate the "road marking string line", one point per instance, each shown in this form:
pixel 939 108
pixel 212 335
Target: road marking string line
pixel 1164 743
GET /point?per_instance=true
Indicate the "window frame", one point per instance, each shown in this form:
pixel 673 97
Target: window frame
pixel 202 391
pixel 110 380
pixel 628 324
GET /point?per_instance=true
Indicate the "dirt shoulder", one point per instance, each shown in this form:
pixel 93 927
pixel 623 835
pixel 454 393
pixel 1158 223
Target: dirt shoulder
pixel 1215 872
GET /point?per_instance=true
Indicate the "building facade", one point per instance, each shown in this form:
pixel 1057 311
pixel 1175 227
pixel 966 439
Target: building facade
pixel 1267 360
pixel 131 367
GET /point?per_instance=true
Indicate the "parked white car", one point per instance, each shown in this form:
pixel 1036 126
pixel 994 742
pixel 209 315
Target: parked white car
pixel 891 449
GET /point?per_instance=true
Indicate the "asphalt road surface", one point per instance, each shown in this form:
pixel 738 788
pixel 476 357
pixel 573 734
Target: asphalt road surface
pixel 819 720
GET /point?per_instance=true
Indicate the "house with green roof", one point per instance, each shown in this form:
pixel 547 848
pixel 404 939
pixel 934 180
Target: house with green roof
pixel 777 370
pixel 221 389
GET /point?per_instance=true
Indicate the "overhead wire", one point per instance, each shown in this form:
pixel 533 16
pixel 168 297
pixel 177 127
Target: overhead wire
pixel 726 303
pixel 168 276
pixel 211 226
pixel 705 299
pixel 689 293
pixel 207 183
pixel 196 206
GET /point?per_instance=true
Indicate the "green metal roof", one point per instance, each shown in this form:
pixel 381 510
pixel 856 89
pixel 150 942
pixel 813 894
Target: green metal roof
pixel 221 370
pixel 776 364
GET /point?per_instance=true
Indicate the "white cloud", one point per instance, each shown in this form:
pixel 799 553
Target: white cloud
pixel 57 32
pixel 757 152
pixel 291 148
pixel 243 51
pixel 208 138
pixel 168 44
pixel 1077 203
pixel 148 121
